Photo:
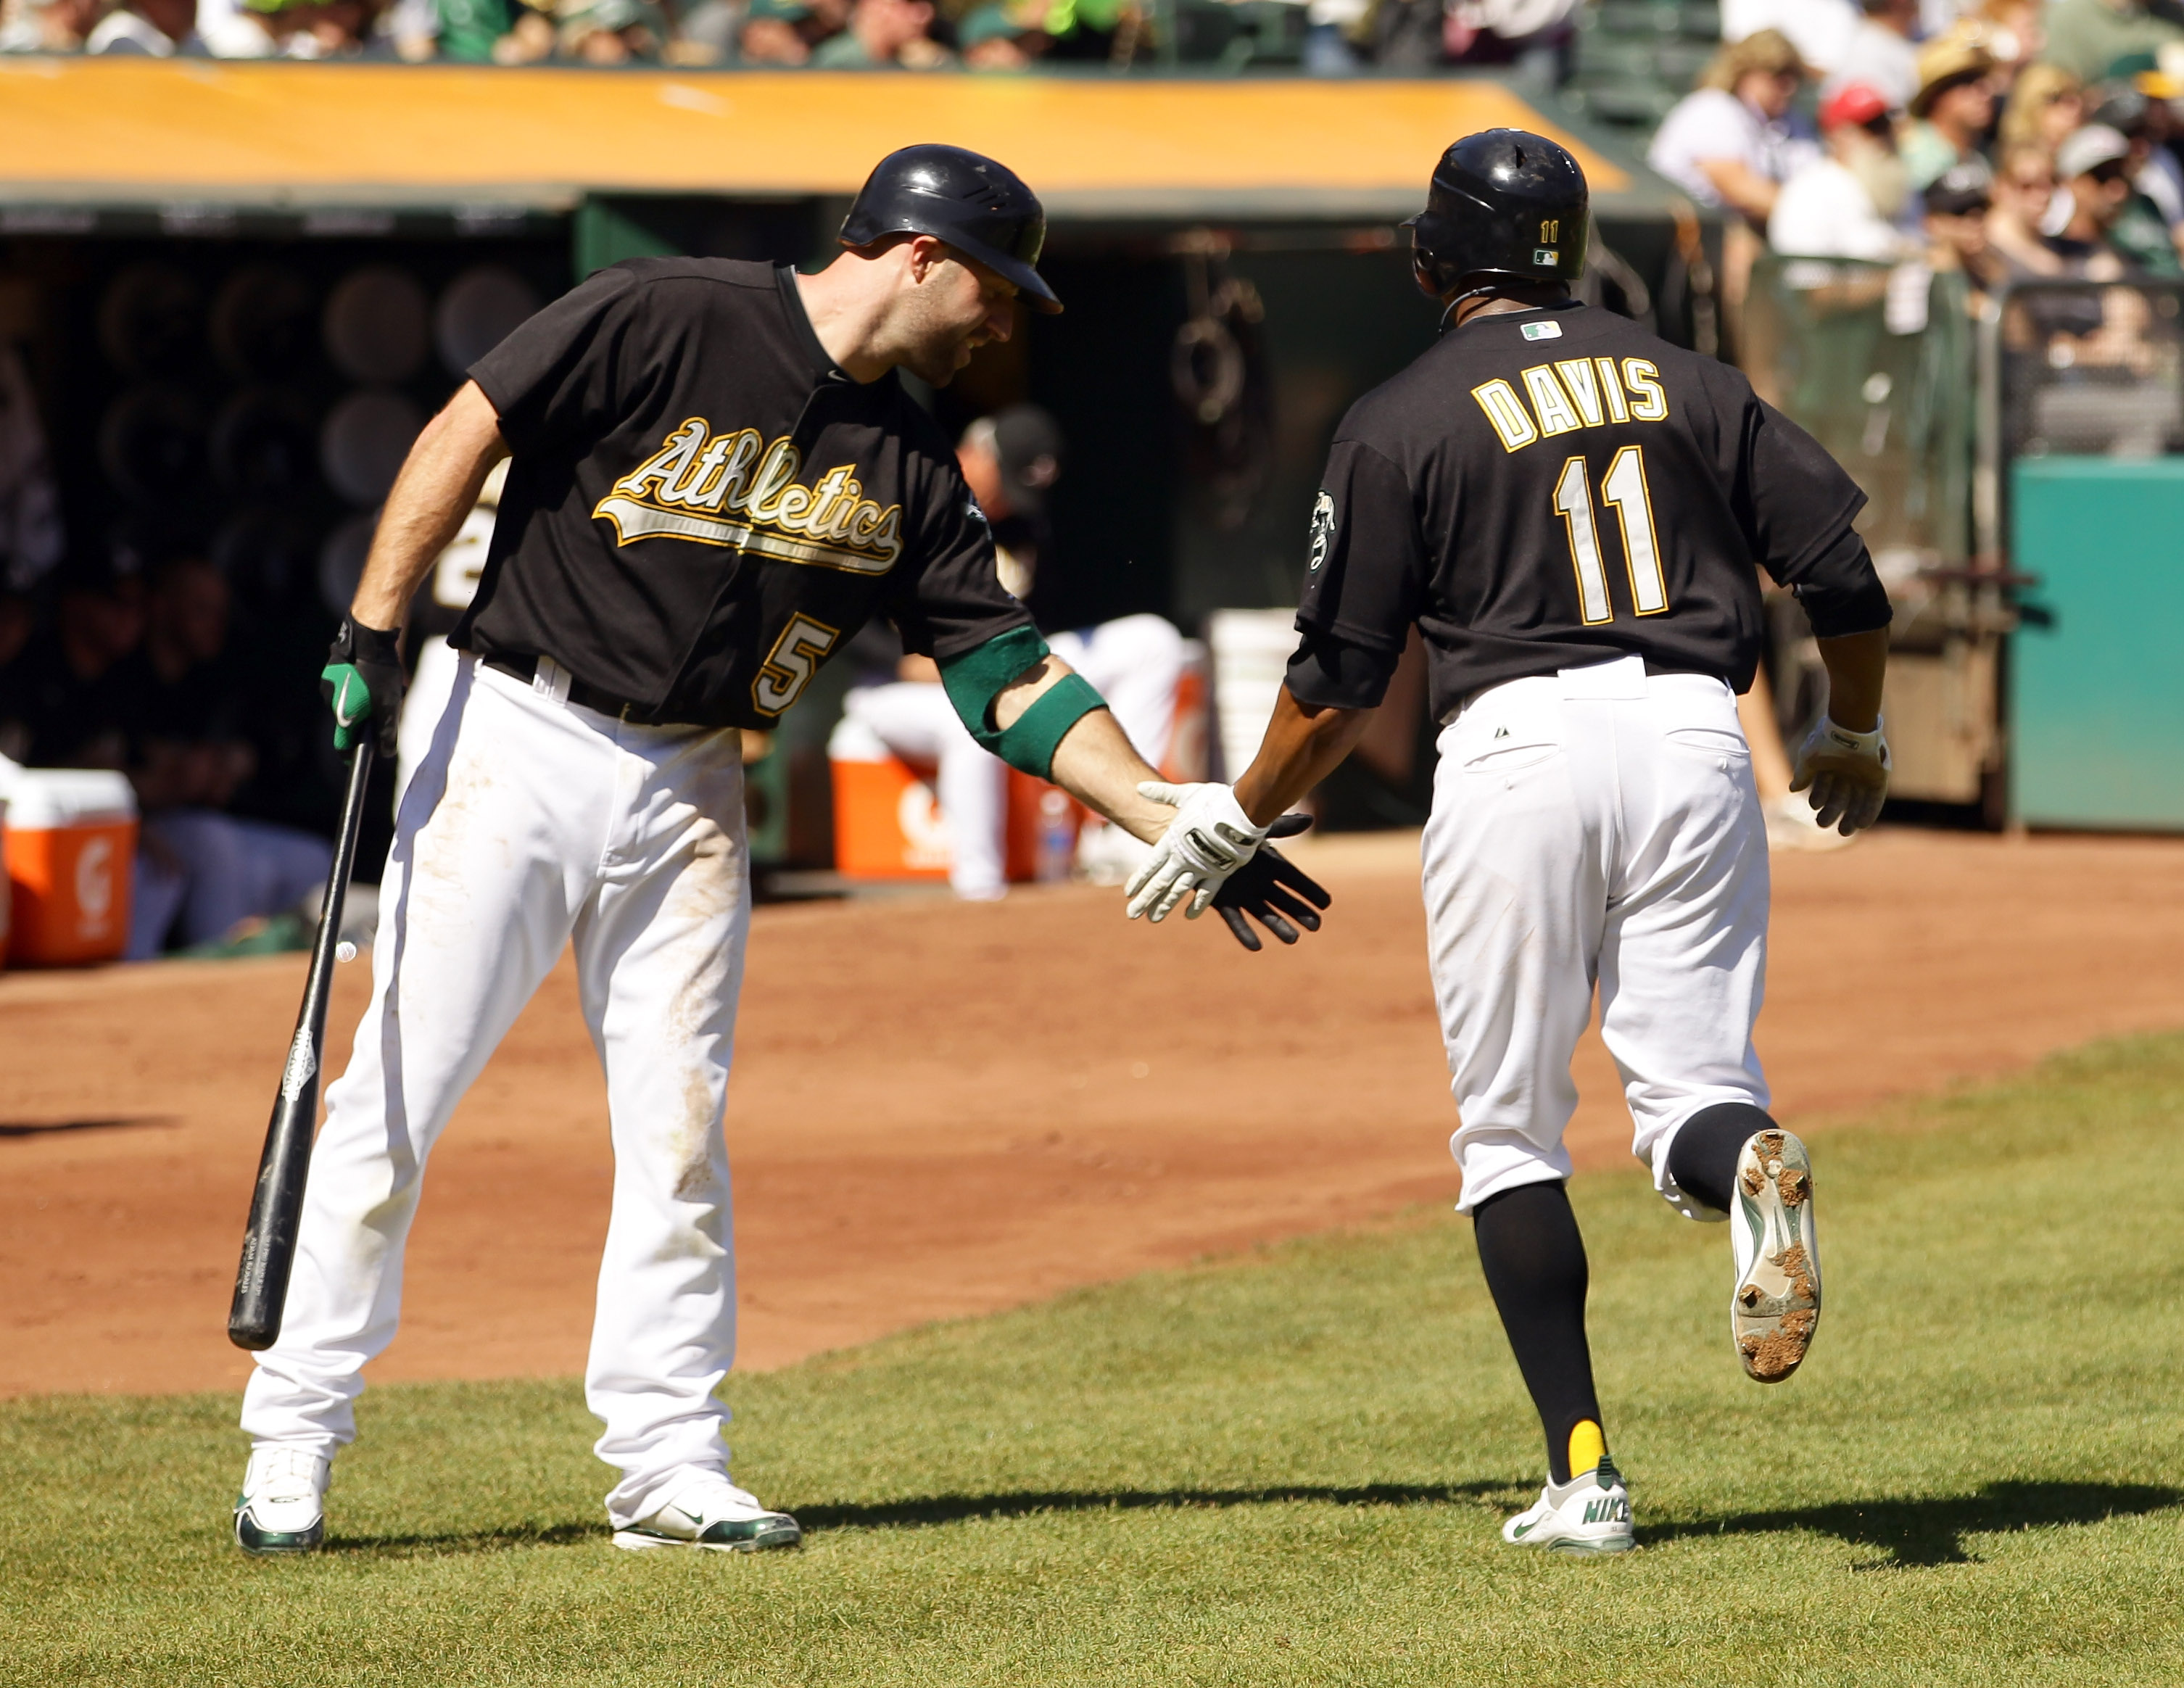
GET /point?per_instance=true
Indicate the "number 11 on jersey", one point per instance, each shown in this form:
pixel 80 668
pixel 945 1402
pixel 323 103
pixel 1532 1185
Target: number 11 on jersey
pixel 1623 486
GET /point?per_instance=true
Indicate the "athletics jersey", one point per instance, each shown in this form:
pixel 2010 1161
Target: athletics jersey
pixel 702 508
pixel 1553 488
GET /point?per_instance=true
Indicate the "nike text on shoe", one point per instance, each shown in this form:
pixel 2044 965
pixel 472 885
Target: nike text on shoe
pixel 1776 1306
pixel 282 1506
pixel 714 1515
pixel 1591 1513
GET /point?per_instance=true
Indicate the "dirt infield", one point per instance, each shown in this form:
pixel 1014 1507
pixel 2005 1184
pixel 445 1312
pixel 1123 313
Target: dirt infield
pixel 941 1110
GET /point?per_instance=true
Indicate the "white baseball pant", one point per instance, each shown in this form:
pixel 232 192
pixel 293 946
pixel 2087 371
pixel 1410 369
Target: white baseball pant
pixel 1598 826
pixel 530 823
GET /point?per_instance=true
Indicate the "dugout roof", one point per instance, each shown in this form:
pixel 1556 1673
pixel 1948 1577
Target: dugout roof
pixel 111 132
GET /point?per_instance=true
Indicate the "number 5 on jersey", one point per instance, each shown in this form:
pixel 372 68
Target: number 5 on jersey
pixel 1623 486
pixel 789 666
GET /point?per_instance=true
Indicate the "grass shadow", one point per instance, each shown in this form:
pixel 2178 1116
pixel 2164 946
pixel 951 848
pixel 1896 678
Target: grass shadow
pixel 1931 1531
pixel 953 1508
pixel 460 1542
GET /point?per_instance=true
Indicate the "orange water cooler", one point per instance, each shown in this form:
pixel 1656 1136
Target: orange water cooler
pixel 70 843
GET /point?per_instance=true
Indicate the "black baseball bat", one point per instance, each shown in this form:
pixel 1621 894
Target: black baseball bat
pixel 269 1242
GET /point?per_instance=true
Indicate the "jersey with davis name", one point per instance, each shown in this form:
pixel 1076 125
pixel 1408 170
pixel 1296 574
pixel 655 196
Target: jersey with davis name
pixel 1555 487
pixel 701 508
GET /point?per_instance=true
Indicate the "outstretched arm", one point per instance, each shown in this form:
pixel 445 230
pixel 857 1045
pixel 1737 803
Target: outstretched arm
pixel 1095 763
pixel 1304 742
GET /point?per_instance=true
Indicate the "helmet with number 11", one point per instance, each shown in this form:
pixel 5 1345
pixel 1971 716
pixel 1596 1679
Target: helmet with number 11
pixel 1505 205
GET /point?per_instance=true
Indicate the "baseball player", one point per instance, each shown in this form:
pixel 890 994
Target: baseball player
pixel 1569 509
pixel 715 479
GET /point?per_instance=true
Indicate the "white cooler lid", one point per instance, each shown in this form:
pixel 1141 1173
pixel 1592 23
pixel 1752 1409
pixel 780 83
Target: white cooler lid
pixel 41 798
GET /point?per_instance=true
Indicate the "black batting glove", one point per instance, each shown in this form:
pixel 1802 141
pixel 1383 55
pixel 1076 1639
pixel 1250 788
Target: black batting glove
pixel 363 680
pixel 1272 890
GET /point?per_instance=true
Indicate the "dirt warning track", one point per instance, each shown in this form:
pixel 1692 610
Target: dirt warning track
pixel 941 1109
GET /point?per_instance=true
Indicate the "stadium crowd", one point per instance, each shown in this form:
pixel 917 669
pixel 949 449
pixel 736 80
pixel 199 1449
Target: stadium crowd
pixel 2010 140
pixel 1337 36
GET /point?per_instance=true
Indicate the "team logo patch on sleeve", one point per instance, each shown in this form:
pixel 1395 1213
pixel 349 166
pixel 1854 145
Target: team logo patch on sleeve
pixel 1322 530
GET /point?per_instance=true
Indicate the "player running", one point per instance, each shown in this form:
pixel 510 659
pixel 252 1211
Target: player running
pixel 1569 509
pixel 716 479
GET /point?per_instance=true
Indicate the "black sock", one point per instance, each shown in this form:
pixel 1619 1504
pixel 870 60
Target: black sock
pixel 1535 1264
pixel 1702 1153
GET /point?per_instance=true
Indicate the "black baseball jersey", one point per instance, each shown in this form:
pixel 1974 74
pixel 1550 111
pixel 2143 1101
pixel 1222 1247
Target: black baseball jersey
pixel 1554 487
pixel 702 508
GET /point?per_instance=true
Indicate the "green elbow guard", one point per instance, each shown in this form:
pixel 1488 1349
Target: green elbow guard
pixel 1030 741
pixel 974 679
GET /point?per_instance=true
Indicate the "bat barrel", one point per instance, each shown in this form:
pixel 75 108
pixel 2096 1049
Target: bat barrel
pixel 268 1241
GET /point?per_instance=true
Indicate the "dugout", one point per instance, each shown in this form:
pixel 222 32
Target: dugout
pixel 178 240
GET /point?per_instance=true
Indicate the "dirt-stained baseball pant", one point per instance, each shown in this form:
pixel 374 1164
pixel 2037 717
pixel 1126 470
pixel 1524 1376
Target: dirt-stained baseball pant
pixel 532 822
pixel 1597 827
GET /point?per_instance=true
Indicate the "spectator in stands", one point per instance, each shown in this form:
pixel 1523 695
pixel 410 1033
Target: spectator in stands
pixel 992 38
pixel 1335 35
pixel 2085 37
pixel 1820 29
pixel 1535 36
pixel 157 29
pixel 1848 202
pixel 471 31
pixel 1728 142
pixel 68 694
pixel 2023 189
pixel 776 32
pixel 47 25
pixel 1952 110
pixel 884 35
pixel 612 32
pixel 1881 53
pixel 2094 168
pixel 199 872
pixel 2146 124
pixel 2045 103
pixel 1957 209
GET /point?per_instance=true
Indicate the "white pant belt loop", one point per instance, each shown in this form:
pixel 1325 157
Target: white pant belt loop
pixel 551 681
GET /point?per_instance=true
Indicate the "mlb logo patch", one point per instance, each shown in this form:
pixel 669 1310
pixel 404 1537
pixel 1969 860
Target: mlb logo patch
pixel 1543 331
pixel 1545 257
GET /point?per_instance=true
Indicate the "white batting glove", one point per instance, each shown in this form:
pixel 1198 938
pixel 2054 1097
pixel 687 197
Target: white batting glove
pixel 1847 772
pixel 1209 840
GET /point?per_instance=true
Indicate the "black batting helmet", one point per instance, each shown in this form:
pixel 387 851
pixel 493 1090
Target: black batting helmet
pixel 1503 203
pixel 979 207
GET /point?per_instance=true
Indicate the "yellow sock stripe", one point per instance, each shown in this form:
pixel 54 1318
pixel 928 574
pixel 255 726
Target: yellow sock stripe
pixel 1587 1446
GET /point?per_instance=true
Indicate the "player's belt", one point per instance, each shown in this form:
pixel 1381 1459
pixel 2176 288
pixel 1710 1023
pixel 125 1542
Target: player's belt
pixel 525 669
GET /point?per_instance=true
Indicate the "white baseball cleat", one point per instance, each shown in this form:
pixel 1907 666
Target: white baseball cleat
pixel 1776 1306
pixel 713 1514
pixel 1591 1513
pixel 282 1507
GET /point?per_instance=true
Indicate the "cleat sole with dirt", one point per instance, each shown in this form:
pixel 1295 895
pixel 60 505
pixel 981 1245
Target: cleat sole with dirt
pixel 1775 1307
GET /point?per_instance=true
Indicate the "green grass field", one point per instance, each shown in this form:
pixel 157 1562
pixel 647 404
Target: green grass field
pixel 1284 1468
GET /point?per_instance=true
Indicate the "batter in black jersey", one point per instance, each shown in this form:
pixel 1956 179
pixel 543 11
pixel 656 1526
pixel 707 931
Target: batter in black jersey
pixel 1570 512
pixel 716 479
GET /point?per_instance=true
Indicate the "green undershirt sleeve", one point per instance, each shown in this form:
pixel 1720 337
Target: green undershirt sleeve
pixel 975 678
